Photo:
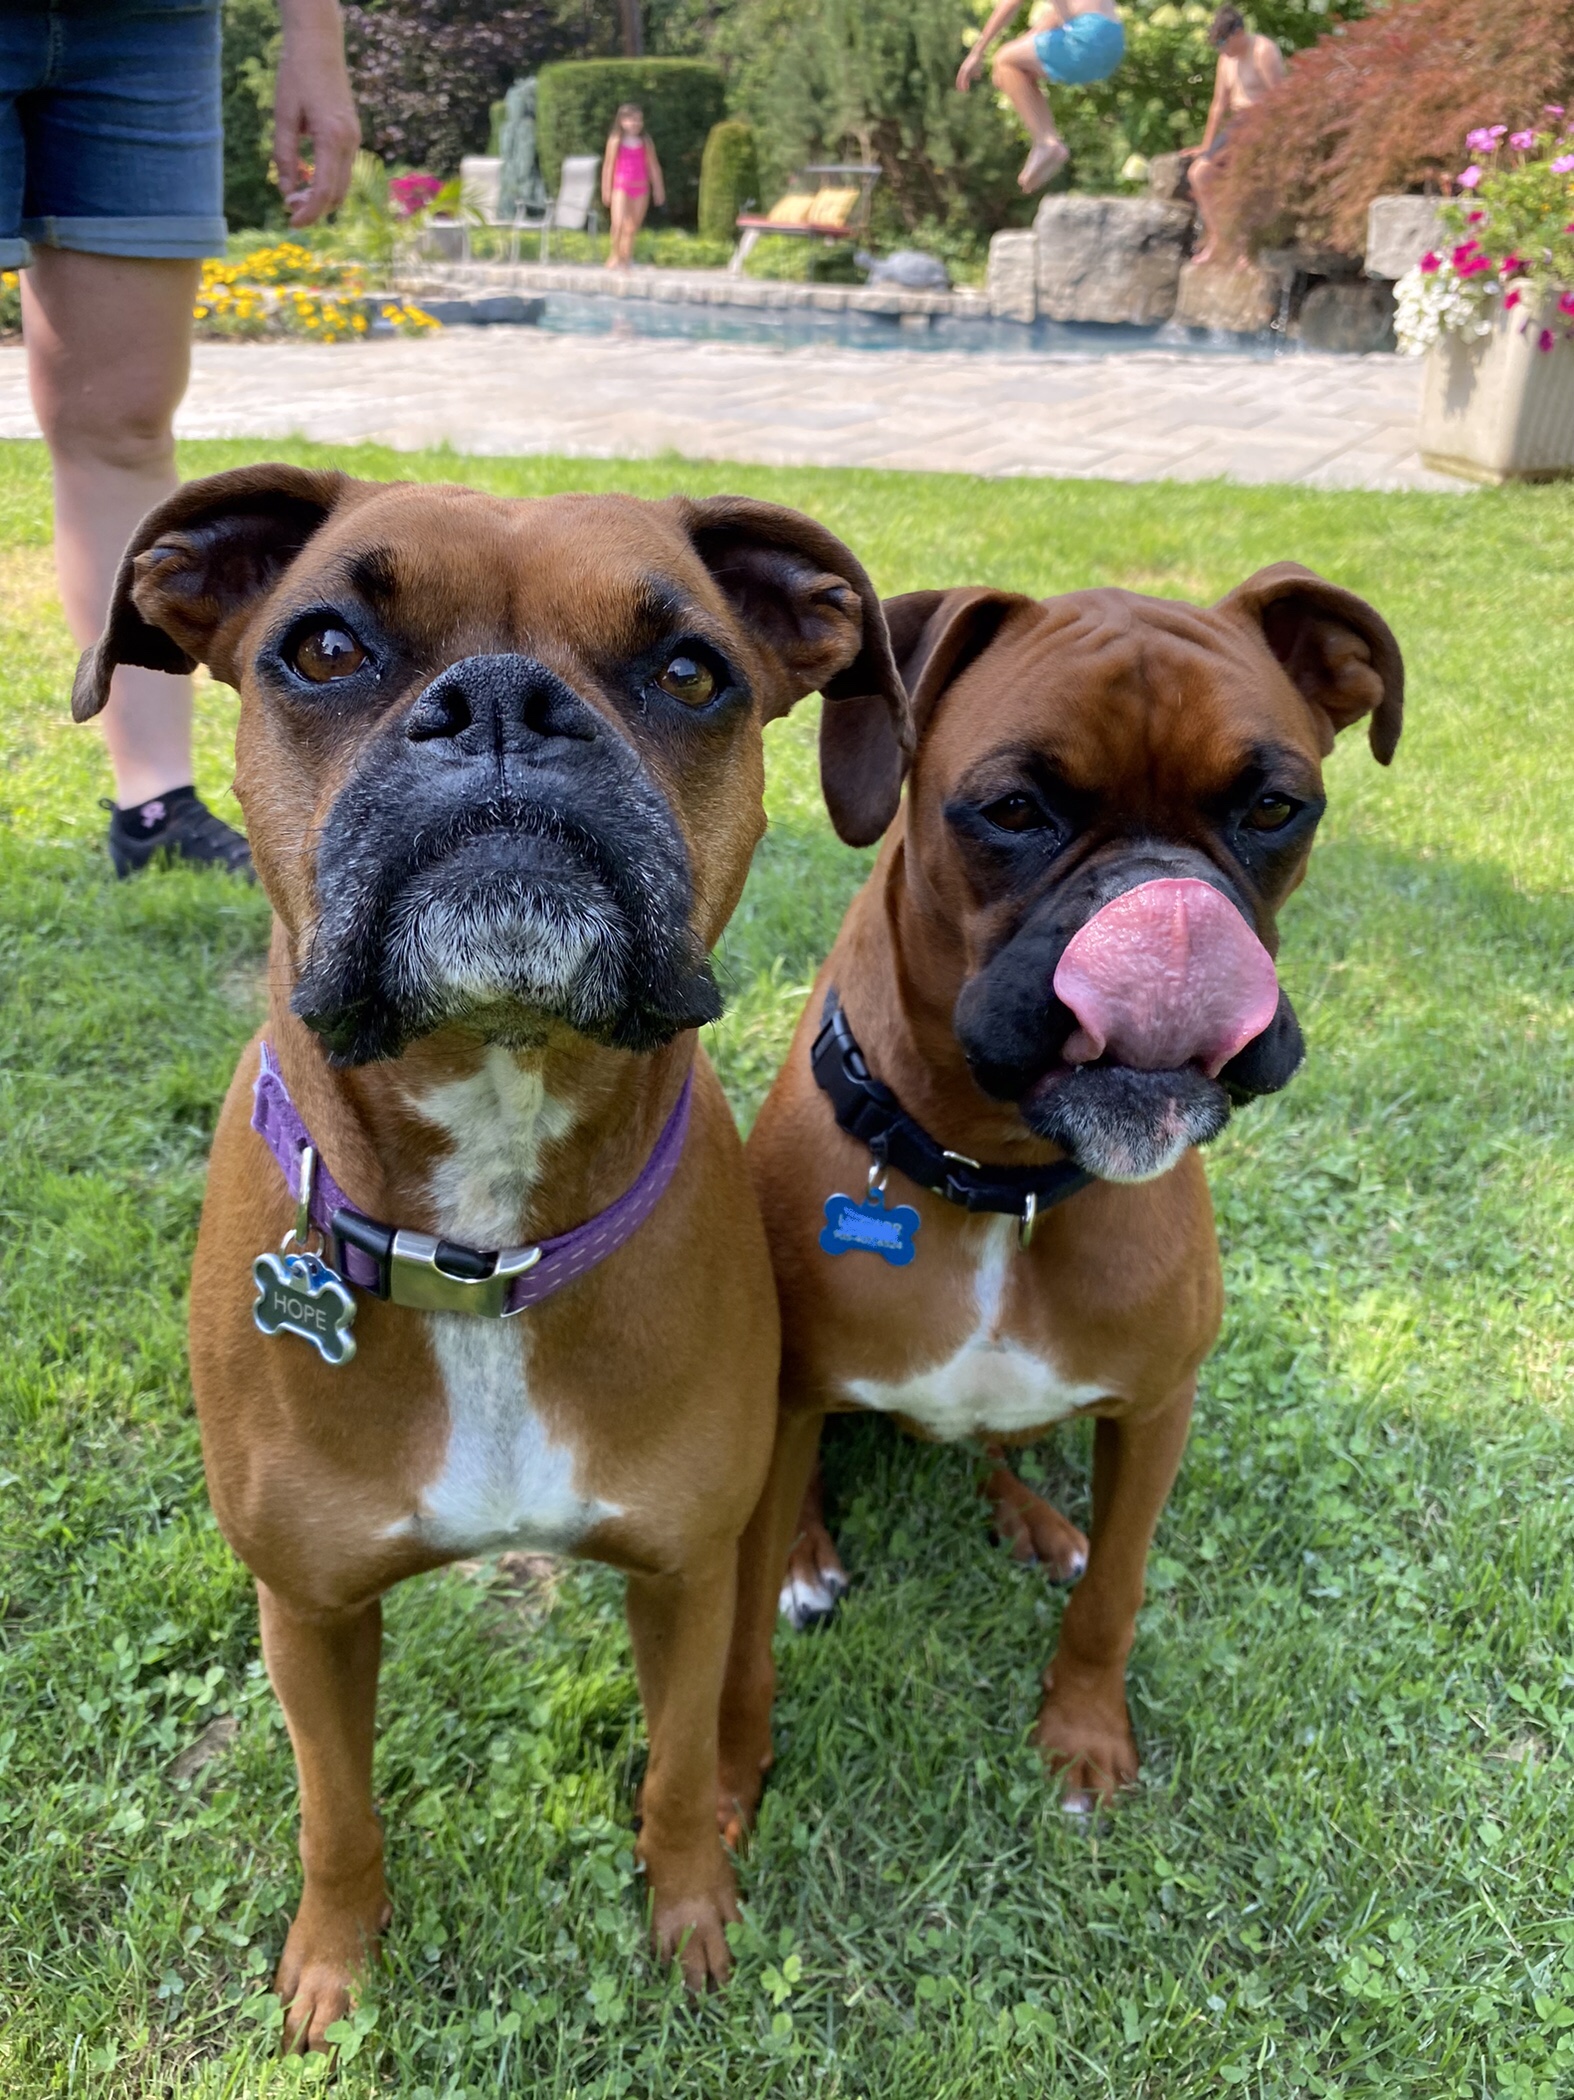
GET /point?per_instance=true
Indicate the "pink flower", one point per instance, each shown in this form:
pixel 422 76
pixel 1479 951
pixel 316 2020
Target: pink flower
pixel 1511 265
pixel 412 193
pixel 1552 109
pixel 1470 178
pixel 1475 218
pixel 1431 262
pixel 1512 301
pixel 1481 141
pixel 1564 164
pixel 1522 141
pixel 1545 340
pixel 1566 304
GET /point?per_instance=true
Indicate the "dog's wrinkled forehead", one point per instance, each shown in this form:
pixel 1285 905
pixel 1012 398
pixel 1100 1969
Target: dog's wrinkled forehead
pixel 1127 692
pixel 570 578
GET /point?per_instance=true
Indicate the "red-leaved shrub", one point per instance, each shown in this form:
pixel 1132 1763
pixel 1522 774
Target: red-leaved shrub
pixel 1383 105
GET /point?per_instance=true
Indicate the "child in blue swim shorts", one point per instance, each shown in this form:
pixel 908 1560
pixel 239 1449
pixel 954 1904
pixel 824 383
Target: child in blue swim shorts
pixel 1077 43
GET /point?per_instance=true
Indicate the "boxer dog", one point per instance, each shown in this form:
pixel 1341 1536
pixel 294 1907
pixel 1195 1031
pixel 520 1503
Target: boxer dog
pixel 480 1265
pixel 977 1167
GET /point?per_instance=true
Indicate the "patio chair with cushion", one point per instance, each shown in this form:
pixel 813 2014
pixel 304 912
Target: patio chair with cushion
pixel 829 201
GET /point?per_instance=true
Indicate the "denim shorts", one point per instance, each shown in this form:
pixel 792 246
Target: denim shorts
pixel 1085 49
pixel 111 134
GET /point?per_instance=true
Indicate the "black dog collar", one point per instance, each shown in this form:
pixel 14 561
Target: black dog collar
pixel 871 1113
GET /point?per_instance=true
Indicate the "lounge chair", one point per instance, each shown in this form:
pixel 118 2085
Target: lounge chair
pixel 572 210
pixel 829 201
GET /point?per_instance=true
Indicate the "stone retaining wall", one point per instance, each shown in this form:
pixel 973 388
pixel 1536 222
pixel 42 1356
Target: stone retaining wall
pixel 685 287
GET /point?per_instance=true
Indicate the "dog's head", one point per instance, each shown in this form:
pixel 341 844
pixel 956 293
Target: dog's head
pixel 1111 798
pixel 501 761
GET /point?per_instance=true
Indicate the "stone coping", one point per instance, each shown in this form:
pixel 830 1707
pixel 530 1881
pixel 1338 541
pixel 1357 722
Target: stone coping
pixel 683 287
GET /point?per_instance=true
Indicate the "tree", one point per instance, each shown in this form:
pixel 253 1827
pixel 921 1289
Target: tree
pixel 426 72
pixel 1384 105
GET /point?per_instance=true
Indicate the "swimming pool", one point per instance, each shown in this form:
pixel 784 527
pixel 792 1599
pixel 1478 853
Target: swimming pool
pixel 576 313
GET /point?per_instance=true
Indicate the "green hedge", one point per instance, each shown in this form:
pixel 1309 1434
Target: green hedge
pixel 681 97
pixel 729 179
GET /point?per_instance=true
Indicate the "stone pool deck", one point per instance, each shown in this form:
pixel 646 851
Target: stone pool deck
pixel 1320 421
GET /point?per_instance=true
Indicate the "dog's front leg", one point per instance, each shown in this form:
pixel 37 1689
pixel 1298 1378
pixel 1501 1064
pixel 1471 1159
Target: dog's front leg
pixel 325 1674
pixel 751 1669
pixel 1084 1728
pixel 680 1625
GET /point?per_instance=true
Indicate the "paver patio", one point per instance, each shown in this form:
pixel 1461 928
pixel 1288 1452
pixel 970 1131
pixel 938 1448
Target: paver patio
pixel 1331 422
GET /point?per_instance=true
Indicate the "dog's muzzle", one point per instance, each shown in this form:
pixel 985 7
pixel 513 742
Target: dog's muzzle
pixel 1127 1015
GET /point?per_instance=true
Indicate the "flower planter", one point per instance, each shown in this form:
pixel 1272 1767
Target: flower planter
pixel 1495 408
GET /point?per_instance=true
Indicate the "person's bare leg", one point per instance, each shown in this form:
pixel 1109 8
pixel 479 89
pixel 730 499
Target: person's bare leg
pixel 108 350
pixel 1020 78
pixel 1205 189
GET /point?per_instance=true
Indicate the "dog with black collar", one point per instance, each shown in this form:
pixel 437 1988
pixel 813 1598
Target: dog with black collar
pixel 978 1166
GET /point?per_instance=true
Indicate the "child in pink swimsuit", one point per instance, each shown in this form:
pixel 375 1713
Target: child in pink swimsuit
pixel 630 177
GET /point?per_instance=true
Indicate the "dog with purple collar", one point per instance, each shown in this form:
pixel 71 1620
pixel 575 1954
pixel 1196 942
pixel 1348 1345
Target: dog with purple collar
pixel 479 1264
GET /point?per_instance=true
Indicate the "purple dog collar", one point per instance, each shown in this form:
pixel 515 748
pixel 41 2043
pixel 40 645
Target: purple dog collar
pixel 413 1268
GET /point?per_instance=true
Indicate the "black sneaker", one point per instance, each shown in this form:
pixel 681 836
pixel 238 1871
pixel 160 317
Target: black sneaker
pixel 176 826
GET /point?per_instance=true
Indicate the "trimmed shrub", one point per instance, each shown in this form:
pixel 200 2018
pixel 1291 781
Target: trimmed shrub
pixel 682 99
pixel 1383 106
pixel 729 179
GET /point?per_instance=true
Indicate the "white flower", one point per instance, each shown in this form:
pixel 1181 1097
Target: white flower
pixel 1433 303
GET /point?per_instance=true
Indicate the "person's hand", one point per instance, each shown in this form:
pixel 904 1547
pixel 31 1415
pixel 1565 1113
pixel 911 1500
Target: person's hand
pixel 312 100
pixel 970 68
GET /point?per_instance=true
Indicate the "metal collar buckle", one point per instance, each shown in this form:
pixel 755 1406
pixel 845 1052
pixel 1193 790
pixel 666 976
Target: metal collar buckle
pixel 422 1273
pixel 432 1275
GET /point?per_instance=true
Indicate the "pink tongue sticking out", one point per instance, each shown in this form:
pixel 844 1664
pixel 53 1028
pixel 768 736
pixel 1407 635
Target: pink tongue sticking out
pixel 1167 974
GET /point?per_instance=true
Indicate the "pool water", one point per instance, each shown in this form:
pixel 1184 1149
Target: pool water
pixel 779 328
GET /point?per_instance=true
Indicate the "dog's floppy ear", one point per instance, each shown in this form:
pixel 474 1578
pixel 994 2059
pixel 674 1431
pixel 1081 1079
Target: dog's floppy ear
pixel 814 614
pixel 1338 653
pixel 196 566
pixel 935 635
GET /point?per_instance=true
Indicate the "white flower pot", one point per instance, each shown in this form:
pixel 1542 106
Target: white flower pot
pixel 1497 408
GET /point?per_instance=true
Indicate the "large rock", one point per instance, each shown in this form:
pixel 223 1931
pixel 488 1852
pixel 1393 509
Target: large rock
pixel 1399 231
pixel 1110 258
pixel 1219 296
pixel 1012 283
pixel 1358 317
pixel 1169 178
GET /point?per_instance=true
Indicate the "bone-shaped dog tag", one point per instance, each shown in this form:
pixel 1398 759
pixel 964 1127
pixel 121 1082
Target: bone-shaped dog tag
pixel 869 1228
pixel 300 1294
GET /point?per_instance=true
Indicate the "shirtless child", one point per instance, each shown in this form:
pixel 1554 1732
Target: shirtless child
pixel 1250 68
pixel 1076 43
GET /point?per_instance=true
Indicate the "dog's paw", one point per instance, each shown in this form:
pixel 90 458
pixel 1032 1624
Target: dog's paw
pixel 692 1931
pixel 325 1960
pixel 1035 1530
pixel 815 1581
pixel 1088 1746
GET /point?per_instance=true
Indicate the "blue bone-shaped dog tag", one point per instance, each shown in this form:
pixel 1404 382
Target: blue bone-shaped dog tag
pixel 869 1228
pixel 300 1294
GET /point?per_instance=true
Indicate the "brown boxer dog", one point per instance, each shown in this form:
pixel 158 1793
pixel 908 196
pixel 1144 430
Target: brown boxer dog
pixel 1050 991
pixel 501 764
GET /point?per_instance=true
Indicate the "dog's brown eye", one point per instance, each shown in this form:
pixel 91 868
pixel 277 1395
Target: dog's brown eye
pixel 328 653
pixel 1015 813
pixel 1271 812
pixel 687 679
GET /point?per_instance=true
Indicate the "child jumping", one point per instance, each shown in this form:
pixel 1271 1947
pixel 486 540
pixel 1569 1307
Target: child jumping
pixel 630 176
pixel 1077 43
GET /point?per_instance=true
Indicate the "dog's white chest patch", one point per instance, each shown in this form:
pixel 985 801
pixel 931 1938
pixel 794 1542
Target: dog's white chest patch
pixel 503 1481
pixel 991 1385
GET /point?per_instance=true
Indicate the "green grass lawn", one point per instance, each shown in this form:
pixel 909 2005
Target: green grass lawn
pixel 1348 1870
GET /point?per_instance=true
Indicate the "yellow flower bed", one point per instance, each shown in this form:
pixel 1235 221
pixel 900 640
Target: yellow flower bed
pixel 286 290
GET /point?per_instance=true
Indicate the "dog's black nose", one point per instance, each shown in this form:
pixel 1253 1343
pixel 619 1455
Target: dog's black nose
pixel 498 704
